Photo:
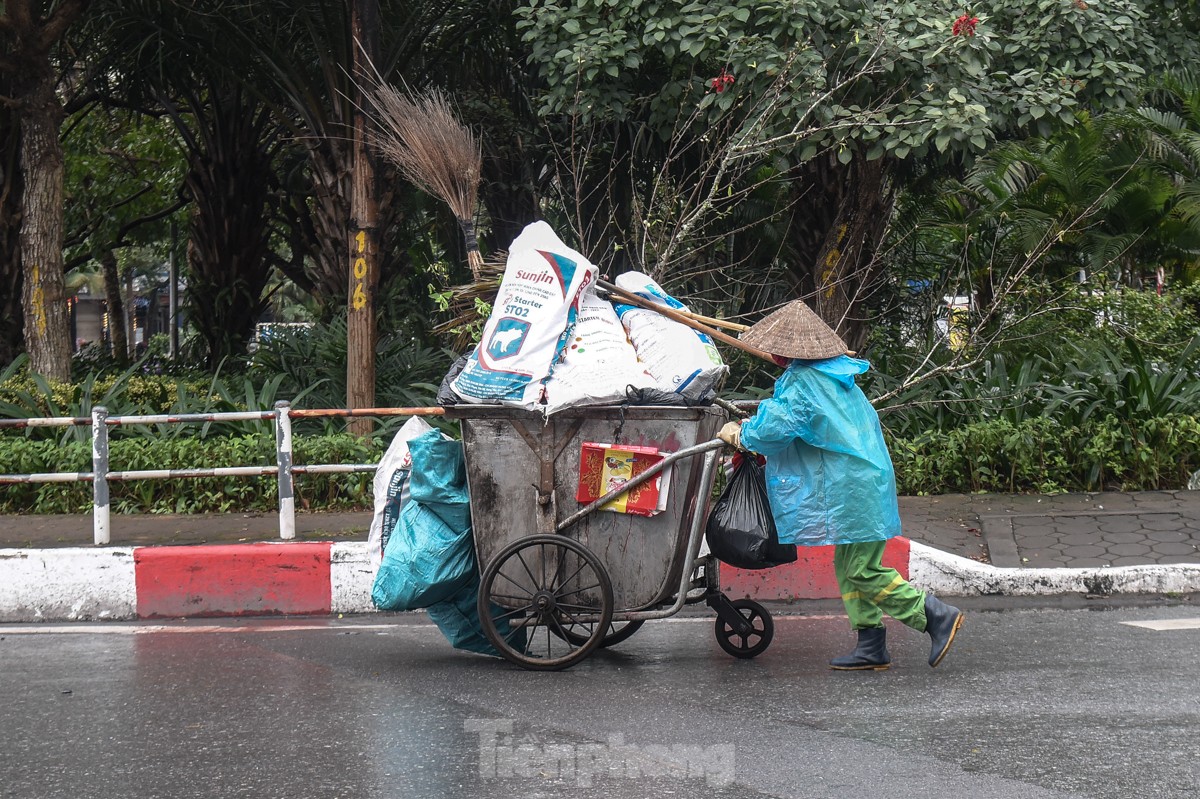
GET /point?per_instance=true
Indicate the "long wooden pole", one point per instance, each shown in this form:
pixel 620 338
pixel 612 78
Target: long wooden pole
pixel 704 320
pixel 717 323
pixel 633 299
pixel 364 227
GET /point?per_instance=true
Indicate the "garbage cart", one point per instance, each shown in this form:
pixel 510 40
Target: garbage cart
pixel 559 578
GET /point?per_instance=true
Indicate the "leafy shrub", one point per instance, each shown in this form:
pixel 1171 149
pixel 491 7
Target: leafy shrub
pixel 1123 383
pixel 1083 383
pixel 1042 454
pixel 193 495
pixel 994 389
pixel 310 364
pixel 132 394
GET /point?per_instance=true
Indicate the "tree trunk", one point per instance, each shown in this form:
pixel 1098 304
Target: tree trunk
pixel 840 217
pixel 230 182
pixel 116 306
pixel 43 295
pixel 12 320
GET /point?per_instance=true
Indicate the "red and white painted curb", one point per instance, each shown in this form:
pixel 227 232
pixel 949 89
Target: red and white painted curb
pixel 293 578
pixel 810 577
pixel 316 578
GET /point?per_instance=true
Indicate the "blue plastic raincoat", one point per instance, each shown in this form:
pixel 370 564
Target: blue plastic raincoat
pixel 829 476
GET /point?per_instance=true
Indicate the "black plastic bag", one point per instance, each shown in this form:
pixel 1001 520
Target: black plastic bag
pixel 741 530
pixel 446 395
pixel 654 396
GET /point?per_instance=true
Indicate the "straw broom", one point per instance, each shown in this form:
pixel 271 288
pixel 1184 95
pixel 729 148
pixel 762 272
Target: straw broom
pixel 429 145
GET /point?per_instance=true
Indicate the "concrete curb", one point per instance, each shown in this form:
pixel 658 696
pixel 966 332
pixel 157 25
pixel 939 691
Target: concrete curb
pixel 316 578
pixel 943 573
pixel 89 584
pixel 67 584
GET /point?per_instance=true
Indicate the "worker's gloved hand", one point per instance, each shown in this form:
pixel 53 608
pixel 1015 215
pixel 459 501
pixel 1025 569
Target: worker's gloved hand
pixel 731 434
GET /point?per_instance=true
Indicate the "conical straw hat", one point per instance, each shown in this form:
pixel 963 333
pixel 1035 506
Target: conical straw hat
pixel 795 331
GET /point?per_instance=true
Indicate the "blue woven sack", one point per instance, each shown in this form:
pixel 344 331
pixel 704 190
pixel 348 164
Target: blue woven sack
pixel 430 555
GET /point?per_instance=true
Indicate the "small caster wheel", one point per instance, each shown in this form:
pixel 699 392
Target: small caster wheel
pixel 755 638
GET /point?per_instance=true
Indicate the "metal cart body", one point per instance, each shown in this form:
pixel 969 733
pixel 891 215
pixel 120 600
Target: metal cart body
pixel 523 474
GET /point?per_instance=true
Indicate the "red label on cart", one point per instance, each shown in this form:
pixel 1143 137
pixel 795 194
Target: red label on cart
pixel 605 467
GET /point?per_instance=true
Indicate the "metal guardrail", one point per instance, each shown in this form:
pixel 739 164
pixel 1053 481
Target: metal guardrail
pixel 100 476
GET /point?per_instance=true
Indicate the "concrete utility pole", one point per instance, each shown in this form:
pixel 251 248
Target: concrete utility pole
pixel 364 214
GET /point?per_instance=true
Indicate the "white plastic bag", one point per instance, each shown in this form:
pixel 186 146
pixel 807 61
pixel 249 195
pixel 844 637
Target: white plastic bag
pixel 530 322
pixel 598 364
pixel 681 359
pixel 391 486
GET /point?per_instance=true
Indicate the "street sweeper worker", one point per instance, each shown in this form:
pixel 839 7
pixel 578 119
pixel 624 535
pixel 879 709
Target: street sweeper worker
pixel 830 481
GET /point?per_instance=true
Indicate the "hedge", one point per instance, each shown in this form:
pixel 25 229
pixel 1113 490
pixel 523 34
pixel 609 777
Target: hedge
pixel 192 495
pixel 1036 455
pixel 1042 455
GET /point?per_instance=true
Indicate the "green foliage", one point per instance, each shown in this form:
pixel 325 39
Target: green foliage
pixel 123 172
pixel 1041 454
pixel 1125 386
pixel 198 495
pixel 310 367
pixel 1084 377
pixel 132 393
pixel 24 395
pixel 880 78
pixel 1163 327
pixel 1094 418
pixel 1025 225
pixel 993 390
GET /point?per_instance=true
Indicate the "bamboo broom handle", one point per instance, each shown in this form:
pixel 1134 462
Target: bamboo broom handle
pixel 723 323
pixel 671 313
pixel 705 320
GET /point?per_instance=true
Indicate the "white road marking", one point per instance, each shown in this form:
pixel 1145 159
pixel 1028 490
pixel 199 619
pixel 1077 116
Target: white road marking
pixel 1160 625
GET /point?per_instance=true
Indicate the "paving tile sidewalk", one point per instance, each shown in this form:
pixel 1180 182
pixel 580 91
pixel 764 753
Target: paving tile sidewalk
pixel 1030 531
pixel 75 530
pixel 1088 530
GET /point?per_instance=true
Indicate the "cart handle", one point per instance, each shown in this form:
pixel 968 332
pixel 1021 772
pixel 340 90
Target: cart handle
pixel 707 446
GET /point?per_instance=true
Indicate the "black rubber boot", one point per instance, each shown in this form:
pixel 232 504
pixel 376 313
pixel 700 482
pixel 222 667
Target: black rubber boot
pixel 871 652
pixel 941 622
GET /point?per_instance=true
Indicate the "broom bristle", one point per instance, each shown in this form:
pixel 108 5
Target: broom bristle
pixel 430 146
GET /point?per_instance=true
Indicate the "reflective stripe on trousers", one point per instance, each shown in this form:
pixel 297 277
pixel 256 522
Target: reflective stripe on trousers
pixel 869 589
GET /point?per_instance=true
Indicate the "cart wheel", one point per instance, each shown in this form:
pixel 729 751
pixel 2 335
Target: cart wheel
pixel 618 631
pixel 757 640
pixel 555 602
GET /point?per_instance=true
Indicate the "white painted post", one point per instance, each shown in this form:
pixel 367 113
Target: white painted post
pixel 100 502
pixel 283 456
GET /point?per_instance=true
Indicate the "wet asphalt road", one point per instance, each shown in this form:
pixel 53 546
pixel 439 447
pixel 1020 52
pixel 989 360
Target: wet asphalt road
pixel 1029 704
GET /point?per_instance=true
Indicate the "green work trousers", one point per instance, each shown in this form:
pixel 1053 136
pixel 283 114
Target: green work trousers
pixel 869 589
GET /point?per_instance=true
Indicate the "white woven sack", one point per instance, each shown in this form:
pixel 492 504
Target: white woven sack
pixel 598 363
pixel 534 312
pixel 681 359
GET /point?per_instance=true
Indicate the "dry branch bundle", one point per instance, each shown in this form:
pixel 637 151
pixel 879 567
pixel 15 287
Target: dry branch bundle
pixel 463 309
